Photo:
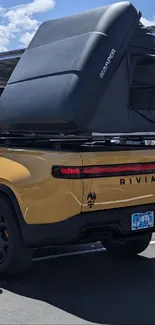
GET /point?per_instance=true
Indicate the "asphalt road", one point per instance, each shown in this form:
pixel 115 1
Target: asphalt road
pixel 81 289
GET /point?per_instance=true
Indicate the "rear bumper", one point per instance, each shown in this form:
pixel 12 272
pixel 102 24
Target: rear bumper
pixel 85 227
pixel 77 228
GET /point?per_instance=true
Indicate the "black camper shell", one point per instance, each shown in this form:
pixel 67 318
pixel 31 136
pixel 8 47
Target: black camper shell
pixel 90 72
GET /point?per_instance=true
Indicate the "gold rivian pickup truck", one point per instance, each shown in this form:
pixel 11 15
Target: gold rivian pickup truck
pixel 77 194
pixel 76 109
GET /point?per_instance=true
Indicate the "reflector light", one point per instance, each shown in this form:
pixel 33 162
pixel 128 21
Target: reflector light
pixel 70 171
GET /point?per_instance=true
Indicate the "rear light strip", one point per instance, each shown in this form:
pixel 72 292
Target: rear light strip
pixel 102 171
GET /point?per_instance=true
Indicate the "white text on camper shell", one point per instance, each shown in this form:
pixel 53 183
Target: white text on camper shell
pixel 108 61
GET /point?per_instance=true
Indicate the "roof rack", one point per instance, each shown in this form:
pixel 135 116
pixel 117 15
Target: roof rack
pixel 76 137
pixel 14 54
pixel 8 62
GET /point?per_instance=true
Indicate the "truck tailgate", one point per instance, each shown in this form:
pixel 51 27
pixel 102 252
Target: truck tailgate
pixel 118 179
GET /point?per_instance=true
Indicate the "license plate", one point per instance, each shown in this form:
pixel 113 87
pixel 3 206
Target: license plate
pixel 142 220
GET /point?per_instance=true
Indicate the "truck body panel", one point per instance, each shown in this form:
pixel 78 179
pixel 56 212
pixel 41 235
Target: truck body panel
pixel 44 199
pixel 119 191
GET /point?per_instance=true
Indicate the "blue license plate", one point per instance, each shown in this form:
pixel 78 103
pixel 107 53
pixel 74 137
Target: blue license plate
pixel 142 220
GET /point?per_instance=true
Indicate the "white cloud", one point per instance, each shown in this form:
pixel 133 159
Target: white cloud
pixel 20 19
pixel 2 10
pixel 25 39
pixel 147 22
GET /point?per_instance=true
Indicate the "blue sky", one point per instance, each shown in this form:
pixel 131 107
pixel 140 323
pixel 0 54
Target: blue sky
pixel 19 19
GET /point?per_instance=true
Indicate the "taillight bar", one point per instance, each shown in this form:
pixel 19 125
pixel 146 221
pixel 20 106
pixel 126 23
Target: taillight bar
pixel 70 171
pixel 102 171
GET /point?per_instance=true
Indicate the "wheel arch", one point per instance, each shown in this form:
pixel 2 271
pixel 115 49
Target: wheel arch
pixel 7 194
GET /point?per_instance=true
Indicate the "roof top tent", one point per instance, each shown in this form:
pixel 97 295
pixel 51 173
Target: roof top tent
pixel 90 72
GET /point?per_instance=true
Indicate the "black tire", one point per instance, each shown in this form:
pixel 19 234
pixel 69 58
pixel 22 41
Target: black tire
pixel 15 257
pixel 128 249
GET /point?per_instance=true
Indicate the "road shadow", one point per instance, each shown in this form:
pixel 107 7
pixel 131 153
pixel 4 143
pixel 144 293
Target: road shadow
pixel 93 287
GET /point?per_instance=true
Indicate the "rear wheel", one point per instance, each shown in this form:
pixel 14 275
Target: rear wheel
pixel 14 255
pixel 128 249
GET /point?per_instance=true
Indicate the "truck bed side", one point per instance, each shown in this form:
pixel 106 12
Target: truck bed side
pixel 46 199
pixel 120 190
pixel 42 199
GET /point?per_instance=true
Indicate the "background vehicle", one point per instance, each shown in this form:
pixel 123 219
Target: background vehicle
pixel 75 164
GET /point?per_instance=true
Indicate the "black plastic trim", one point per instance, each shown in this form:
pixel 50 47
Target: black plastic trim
pixel 73 230
pixel 7 190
